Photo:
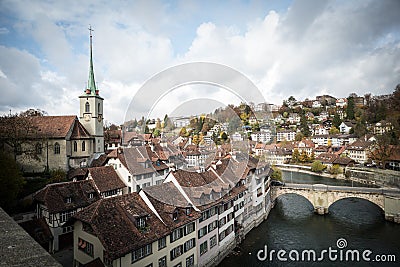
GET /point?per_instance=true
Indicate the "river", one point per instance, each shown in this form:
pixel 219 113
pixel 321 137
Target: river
pixel 358 224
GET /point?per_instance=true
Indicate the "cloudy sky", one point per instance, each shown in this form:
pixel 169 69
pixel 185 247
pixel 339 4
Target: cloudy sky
pixel 299 48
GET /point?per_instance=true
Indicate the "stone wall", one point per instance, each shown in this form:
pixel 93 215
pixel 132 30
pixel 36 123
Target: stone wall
pixel 377 176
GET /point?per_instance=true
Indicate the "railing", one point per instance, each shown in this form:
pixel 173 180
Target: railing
pixel 323 187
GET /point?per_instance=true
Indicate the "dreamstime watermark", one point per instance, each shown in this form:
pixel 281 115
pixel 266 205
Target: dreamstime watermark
pixel 192 82
pixel 339 253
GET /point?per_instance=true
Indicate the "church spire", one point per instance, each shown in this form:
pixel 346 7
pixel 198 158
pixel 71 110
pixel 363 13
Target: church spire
pixel 91 86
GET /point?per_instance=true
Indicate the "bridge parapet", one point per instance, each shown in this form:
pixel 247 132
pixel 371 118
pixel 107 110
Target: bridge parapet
pixel 322 196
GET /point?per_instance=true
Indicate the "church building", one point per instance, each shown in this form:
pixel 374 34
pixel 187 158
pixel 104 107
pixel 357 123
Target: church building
pixel 63 142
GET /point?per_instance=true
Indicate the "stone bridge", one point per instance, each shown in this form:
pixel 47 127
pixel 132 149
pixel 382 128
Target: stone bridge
pixel 323 196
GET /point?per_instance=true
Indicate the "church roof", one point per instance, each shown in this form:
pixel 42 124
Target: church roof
pixel 53 126
pixel 91 89
pixel 79 132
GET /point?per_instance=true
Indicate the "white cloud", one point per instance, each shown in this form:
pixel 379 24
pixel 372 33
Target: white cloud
pixel 309 49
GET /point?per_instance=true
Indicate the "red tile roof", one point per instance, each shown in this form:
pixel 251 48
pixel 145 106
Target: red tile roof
pixel 106 178
pixel 54 196
pixel 54 126
pixel 113 221
pixel 79 132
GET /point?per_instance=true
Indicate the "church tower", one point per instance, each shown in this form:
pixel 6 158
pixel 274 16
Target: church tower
pixel 91 108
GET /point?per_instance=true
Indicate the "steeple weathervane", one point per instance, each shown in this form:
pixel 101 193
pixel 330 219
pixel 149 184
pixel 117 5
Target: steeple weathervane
pixel 91 87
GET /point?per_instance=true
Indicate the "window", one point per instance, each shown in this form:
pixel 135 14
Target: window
pixel 259 192
pixel 176 234
pixel 75 146
pixel 189 244
pixel 230 216
pixel 162 243
pixel 87 107
pixel 110 193
pixel 38 148
pixel 190 261
pixel 83 146
pixel 162 262
pixel 64 216
pixel 213 241
pixel 98 108
pixel 189 228
pixel 221 236
pixel 222 222
pixel 85 246
pixel 129 179
pixel 188 211
pixel 203 248
pixel 56 148
pixel 212 226
pixel 90 195
pixel 141 222
pixel 176 252
pixel 141 253
pixel 202 232
pixel 175 215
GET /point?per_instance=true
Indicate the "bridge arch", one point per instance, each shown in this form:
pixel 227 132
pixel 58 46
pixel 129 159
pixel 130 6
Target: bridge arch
pixel 378 200
pixel 284 191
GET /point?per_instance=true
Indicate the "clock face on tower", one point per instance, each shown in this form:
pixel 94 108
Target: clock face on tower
pixel 87 117
pixel 99 118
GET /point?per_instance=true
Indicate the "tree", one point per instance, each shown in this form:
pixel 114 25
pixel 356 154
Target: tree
pixel 255 127
pixel 183 132
pixel 334 130
pixel 382 149
pixel 299 136
pixel 335 169
pixel 11 181
pixel 312 157
pixel 223 136
pixel 33 113
pixel 350 108
pixel 57 176
pixel 303 156
pixel 304 126
pixel 158 123
pixel 195 139
pixel 156 132
pixel 233 124
pixel 336 121
pixel 317 166
pixel 16 133
pixel 360 129
pixel 276 174
pixel 295 155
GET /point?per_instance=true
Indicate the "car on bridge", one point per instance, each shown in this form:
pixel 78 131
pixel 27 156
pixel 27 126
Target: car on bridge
pixel 277 183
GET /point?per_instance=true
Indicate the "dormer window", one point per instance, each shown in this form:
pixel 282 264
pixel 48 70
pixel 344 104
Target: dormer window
pixel 141 222
pixel 188 210
pixel 90 195
pixel 175 215
pixel 68 200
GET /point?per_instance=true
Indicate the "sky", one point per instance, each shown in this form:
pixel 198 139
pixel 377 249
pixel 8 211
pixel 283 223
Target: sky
pixel 286 48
